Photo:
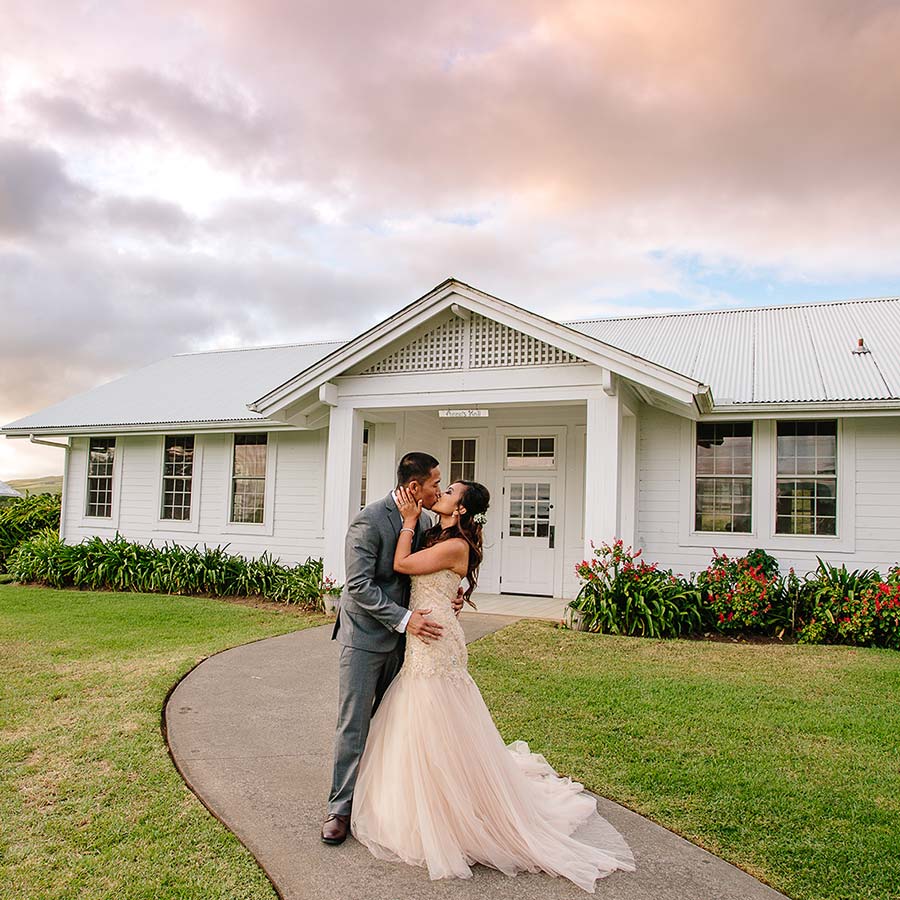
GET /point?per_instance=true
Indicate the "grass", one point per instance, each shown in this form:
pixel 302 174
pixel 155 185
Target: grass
pixel 784 760
pixel 91 805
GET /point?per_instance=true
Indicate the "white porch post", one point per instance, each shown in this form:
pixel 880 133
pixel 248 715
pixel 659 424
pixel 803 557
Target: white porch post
pixel 343 481
pixel 601 466
pixel 382 474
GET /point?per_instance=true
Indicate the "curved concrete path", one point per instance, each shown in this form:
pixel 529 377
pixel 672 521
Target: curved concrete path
pixel 251 730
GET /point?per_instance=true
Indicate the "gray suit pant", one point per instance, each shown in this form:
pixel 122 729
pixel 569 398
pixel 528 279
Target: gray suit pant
pixel 364 678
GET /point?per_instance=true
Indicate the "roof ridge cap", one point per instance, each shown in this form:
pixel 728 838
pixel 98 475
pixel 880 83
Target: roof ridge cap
pixel 740 309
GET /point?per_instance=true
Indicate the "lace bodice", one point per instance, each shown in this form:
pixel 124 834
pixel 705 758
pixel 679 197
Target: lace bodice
pixel 446 656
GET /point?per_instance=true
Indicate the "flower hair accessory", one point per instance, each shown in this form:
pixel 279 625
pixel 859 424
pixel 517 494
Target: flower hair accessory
pixel 479 518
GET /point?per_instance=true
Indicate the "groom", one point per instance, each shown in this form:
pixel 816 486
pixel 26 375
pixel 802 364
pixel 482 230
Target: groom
pixel 373 619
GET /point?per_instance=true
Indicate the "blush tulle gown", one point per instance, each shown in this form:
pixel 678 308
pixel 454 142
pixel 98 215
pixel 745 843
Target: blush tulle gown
pixel 437 786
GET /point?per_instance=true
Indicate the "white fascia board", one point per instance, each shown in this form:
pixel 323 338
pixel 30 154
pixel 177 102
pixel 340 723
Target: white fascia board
pixel 678 387
pixel 580 377
pixel 164 428
pixel 801 409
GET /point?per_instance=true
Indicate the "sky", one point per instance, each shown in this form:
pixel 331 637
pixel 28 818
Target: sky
pixel 223 173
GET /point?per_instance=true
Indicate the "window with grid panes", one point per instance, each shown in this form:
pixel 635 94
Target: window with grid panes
pixel 462 459
pixel 531 453
pixel 100 475
pixel 178 476
pixel 806 478
pixel 248 484
pixel 724 482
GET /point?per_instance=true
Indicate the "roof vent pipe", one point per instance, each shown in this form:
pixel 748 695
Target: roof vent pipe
pixel 861 347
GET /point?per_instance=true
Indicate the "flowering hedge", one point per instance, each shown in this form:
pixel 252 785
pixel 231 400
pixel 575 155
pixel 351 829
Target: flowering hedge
pixel 623 594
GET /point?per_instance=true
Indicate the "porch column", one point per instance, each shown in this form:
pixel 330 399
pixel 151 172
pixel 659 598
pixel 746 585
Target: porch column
pixel 382 474
pixel 343 482
pixel 601 467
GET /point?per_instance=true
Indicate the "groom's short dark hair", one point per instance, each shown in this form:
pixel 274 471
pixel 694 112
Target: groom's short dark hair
pixel 415 467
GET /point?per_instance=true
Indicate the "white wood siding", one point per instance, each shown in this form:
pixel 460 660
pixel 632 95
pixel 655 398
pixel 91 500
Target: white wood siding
pixel 868 468
pixel 296 531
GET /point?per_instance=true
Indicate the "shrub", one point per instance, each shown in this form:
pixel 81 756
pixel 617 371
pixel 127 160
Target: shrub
pixel 624 595
pixel 122 565
pixel 23 517
pixel 738 592
pixel 842 606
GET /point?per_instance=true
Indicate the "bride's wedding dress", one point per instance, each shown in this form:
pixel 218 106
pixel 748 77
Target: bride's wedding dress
pixel 437 787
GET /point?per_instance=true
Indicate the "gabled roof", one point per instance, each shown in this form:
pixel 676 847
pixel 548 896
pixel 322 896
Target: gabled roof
pixel 188 388
pixel 453 293
pixel 779 354
pixel 786 354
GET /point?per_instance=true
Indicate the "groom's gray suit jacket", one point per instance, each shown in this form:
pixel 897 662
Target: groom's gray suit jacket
pixel 375 598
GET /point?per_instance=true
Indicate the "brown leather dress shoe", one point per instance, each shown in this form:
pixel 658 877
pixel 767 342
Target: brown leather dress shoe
pixel 335 829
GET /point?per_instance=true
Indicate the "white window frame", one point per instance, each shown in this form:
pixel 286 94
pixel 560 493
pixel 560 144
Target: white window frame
pixel 763 532
pixel 753 480
pixel 102 523
pixel 464 437
pixel 267 525
pixel 191 524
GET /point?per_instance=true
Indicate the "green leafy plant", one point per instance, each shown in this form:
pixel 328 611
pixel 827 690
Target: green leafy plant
pixel 22 517
pixel 738 592
pixel 842 606
pixel 622 594
pixel 122 565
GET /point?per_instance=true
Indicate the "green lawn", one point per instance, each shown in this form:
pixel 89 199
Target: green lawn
pixel 783 759
pixel 91 805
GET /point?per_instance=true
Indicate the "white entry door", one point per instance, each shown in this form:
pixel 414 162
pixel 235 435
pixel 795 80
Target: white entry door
pixel 528 555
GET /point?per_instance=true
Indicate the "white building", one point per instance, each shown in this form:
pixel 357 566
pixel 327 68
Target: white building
pixel 776 428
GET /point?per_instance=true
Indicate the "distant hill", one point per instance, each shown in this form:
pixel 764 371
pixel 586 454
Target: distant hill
pixel 46 484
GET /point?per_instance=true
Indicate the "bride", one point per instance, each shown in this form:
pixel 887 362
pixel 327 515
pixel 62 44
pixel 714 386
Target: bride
pixel 437 786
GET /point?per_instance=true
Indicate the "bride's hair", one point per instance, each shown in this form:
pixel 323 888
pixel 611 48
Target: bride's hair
pixel 476 500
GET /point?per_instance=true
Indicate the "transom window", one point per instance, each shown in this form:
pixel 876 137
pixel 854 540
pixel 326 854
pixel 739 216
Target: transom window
pixel 806 479
pixel 101 456
pixel 529 509
pixel 724 482
pixel 531 453
pixel 462 459
pixel 178 476
pixel 248 484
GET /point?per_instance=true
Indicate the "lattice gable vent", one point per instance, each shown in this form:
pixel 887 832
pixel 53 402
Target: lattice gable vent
pixel 440 348
pixel 480 343
pixel 493 345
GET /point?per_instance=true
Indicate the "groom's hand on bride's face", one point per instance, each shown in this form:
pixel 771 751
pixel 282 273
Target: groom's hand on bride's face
pixel 423 628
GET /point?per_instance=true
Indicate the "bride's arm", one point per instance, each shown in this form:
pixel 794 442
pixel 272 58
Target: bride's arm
pixel 450 554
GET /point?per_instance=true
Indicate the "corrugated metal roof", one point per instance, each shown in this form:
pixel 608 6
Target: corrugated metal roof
pixel 797 353
pixel 212 386
pixel 800 353
pixel 9 491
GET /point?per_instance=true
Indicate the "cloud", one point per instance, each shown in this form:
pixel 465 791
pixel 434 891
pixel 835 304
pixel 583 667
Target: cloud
pixel 224 172
pixel 36 195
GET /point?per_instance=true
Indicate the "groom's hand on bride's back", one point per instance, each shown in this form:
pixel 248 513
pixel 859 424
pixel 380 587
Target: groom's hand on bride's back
pixel 458 601
pixel 423 628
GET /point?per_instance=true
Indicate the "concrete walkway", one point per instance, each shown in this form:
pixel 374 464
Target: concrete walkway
pixel 251 732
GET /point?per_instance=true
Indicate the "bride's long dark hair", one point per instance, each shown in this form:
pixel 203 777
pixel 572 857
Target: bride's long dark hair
pixel 476 500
